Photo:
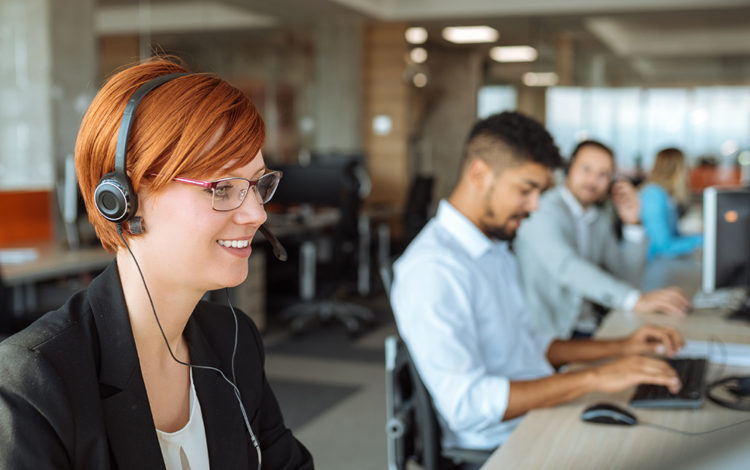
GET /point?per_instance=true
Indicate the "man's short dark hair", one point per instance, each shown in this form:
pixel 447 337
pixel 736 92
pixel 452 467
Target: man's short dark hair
pixel 511 138
pixel 589 143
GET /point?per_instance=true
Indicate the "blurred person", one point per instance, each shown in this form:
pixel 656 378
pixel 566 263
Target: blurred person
pixel 665 189
pixel 459 308
pixel 137 371
pixel 572 263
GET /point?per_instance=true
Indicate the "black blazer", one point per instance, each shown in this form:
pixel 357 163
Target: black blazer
pixel 72 395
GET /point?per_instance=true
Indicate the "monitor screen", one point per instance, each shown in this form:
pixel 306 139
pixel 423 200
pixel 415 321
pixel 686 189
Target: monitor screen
pixel 318 184
pixel 726 232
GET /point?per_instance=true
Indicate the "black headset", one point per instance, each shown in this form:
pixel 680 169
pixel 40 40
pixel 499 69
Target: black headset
pixel 114 196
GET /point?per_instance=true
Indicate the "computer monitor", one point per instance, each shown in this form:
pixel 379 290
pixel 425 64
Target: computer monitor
pixel 319 184
pixel 726 244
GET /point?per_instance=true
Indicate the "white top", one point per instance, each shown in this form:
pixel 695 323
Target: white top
pixel 459 308
pixel 584 218
pixel 186 449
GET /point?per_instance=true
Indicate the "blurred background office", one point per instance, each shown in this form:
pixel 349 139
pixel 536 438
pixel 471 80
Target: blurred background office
pixel 390 87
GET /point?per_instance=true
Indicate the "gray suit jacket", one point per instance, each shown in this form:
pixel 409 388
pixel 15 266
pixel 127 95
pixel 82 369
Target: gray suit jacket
pixel 556 278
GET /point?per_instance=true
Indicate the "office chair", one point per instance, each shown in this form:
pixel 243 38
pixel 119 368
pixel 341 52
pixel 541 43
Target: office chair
pixel 326 184
pixel 417 208
pixel 412 428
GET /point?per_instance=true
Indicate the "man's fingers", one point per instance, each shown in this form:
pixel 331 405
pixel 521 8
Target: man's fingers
pixel 658 372
pixel 668 307
pixel 667 341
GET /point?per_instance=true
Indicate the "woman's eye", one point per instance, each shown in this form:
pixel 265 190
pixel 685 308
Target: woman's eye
pixel 222 190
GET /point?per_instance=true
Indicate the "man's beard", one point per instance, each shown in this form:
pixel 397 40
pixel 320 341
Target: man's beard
pixel 498 232
pixel 501 232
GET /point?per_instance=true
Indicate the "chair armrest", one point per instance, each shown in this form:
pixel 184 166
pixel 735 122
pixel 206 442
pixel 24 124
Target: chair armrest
pixel 467 455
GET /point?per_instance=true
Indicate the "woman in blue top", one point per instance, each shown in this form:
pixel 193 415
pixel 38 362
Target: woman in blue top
pixel 665 188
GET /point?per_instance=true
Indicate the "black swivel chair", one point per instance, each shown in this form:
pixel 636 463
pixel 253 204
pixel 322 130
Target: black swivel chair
pixel 417 208
pixel 412 428
pixel 326 184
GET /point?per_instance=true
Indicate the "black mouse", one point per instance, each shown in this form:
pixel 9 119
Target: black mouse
pixel 607 413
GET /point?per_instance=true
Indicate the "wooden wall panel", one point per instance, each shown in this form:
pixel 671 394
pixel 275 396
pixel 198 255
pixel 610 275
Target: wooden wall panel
pixel 25 217
pixel 385 92
pixel 115 52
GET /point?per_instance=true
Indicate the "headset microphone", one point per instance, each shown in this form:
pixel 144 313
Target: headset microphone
pixel 135 225
pixel 278 249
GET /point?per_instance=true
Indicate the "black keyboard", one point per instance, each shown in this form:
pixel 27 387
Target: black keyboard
pixel 691 373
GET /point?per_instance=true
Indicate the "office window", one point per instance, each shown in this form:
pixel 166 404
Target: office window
pixel 496 99
pixel 637 123
pixel 609 115
pixel 720 120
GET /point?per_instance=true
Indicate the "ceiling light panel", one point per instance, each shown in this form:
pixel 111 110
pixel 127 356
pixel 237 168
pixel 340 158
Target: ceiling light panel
pixel 470 34
pixel 513 54
pixel 540 79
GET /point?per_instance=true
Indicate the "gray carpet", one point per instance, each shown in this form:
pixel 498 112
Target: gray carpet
pixel 303 401
pixel 330 340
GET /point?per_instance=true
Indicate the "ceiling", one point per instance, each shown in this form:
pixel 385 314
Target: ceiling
pixel 653 42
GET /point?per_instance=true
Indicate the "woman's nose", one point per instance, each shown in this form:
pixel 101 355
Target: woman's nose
pixel 251 211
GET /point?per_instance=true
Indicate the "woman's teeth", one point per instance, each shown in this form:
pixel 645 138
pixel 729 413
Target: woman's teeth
pixel 234 243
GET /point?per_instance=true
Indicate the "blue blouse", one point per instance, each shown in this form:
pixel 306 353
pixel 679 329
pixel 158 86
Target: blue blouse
pixel 659 218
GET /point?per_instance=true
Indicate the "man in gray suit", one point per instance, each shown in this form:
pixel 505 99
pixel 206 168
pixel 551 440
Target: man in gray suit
pixel 570 257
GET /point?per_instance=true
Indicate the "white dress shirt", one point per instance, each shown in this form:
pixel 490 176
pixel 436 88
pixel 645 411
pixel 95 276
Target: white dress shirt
pixel 587 321
pixel 459 307
pixel 187 448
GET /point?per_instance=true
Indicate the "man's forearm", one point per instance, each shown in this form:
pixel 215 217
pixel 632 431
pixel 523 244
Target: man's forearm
pixel 584 350
pixel 558 388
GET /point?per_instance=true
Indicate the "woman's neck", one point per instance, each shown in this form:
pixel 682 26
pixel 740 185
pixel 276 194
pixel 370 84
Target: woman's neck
pixel 173 304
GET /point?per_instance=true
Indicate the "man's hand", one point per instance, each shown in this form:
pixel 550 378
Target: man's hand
pixel 671 301
pixel 633 370
pixel 651 339
pixel 626 202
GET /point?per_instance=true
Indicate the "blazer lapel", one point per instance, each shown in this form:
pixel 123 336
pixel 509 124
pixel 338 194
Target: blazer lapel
pixel 127 414
pixel 226 436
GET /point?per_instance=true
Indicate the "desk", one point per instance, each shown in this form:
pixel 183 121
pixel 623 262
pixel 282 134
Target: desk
pixel 557 438
pixel 53 261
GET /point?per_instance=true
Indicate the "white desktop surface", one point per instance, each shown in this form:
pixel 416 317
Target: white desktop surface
pixel 54 261
pixel 557 438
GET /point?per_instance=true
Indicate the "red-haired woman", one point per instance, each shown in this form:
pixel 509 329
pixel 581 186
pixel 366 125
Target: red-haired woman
pixel 136 371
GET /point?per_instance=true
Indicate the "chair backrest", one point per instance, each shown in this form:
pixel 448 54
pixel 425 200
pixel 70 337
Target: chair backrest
pixel 416 211
pixel 412 427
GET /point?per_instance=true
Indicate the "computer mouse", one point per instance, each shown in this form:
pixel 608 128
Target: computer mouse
pixel 607 413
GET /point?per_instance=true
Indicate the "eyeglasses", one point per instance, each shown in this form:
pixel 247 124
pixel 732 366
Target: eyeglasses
pixel 228 193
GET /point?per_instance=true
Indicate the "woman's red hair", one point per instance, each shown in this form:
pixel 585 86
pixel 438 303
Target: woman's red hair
pixel 173 126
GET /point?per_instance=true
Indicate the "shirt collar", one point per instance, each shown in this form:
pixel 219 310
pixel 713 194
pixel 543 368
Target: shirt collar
pixel 586 215
pixel 463 230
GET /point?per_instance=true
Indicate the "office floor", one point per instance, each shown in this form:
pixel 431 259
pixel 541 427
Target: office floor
pixel 331 389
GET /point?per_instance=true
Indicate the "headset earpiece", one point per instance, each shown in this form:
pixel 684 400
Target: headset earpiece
pixel 115 199
pixel 114 196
